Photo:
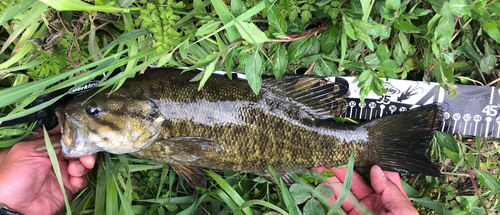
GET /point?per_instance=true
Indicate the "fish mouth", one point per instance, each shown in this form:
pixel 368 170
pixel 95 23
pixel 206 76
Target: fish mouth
pixel 66 131
pixel 73 140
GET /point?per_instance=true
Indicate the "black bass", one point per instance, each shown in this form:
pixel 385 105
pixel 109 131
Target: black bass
pixel 162 116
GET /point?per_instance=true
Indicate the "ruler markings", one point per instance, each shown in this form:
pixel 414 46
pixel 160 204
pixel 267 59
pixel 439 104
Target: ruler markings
pixel 492 95
pixel 488 120
pixel 454 125
pixel 475 129
pixel 481 131
pixel 498 131
pixel 492 129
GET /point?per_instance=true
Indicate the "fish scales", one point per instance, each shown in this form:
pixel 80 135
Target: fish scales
pixel 242 123
pixel 162 116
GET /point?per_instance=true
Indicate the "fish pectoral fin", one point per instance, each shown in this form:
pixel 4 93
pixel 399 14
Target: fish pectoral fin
pixel 191 175
pixel 320 97
pixel 187 149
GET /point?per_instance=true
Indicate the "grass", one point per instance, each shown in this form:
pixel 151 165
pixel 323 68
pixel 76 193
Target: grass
pixel 62 43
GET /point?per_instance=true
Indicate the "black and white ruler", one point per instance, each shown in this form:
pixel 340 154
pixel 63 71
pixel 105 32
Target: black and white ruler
pixel 473 111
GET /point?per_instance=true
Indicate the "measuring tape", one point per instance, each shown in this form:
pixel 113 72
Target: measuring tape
pixel 473 111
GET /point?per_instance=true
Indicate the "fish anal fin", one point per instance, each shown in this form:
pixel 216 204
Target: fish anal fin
pixel 191 175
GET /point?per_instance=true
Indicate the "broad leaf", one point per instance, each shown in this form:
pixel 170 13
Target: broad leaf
pixel 253 72
pixel 208 28
pixel 280 61
pixel 489 181
pixel 276 20
pixel 329 40
pixel 461 7
pixel 300 193
pixel 251 33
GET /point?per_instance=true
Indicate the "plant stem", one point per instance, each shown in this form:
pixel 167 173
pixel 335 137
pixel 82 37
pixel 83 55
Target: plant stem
pixel 301 37
pixel 477 191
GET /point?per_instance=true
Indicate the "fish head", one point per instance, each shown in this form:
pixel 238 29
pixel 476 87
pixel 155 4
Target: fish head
pixel 113 123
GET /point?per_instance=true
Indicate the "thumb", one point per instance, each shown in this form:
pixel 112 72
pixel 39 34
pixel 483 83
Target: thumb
pixel 392 197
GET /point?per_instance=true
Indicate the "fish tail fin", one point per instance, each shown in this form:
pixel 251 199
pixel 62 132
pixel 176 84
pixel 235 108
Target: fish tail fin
pixel 403 140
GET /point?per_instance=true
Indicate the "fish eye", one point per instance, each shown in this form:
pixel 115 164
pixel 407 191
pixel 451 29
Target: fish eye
pixel 93 109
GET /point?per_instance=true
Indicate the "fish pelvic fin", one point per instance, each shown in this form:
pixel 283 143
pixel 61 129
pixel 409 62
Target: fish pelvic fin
pixel 403 139
pixel 191 175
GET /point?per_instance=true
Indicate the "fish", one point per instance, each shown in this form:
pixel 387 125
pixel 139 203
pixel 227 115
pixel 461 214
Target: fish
pixel 162 116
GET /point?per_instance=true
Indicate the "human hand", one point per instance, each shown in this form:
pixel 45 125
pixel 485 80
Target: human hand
pixel 385 195
pixel 28 184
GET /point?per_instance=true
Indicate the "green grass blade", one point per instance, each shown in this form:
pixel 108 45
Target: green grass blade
pixel 229 190
pixel 163 178
pixel 137 168
pixel 57 170
pixel 20 111
pixel 344 191
pixel 123 38
pixel 170 200
pixel 17 57
pixel 229 201
pixel 111 192
pixel 226 16
pixel 287 196
pixel 12 94
pixel 246 15
pixel 12 11
pixel 192 209
pixel 11 142
pixel 76 5
pixel 32 110
pixel 125 205
pixel 35 14
pixel 30 64
pixel 265 204
pixel 100 195
pixel 424 201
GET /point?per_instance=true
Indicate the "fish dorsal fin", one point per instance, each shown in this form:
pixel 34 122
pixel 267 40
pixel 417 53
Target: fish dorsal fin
pixel 318 96
pixel 191 175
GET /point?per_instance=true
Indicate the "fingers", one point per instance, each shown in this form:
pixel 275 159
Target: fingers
pixel 394 177
pixel 78 182
pixel 391 196
pixel 359 185
pixel 88 161
pixel 77 171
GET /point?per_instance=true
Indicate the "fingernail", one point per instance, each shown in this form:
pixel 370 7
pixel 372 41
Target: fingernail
pixel 81 181
pixel 381 172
